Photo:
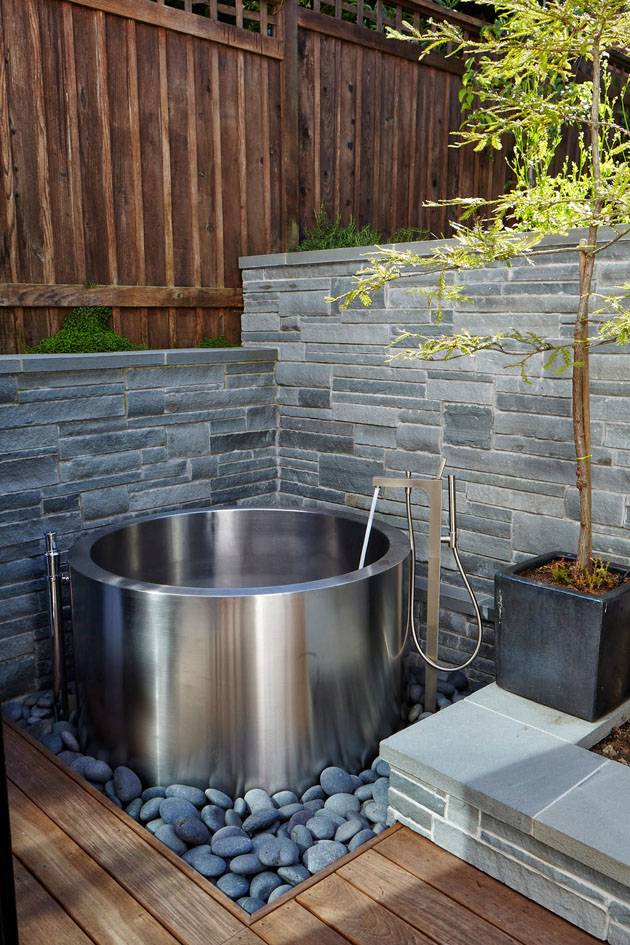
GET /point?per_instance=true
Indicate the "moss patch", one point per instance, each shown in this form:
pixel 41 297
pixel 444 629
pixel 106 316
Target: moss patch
pixel 85 331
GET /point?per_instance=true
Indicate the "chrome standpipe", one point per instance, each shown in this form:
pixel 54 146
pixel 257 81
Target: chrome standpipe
pixel 54 581
pixel 433 487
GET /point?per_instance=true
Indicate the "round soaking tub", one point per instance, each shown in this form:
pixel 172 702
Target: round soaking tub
pixel 238 647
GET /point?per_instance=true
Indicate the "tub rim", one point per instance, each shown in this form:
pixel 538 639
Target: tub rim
pixel 80 557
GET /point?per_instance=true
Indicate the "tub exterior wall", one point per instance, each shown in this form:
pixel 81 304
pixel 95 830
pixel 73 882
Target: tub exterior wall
pixel 346 416
pixel 91 439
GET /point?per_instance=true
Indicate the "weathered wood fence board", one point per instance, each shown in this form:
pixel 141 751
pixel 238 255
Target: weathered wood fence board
pixel 147 146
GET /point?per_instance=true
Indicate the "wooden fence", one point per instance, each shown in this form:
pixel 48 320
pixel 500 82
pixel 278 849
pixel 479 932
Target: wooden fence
pixel 144 148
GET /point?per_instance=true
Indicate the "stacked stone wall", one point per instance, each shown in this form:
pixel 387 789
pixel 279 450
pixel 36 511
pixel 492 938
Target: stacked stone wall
pixel 88 440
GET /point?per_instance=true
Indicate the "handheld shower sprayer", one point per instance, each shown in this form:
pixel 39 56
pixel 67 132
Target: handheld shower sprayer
pixel 434 489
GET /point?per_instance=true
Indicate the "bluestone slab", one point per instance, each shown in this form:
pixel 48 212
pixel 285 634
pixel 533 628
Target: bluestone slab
pixel 500 765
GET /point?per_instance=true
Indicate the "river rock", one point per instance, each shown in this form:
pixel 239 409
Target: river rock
pixel 150 809
pixel 128 784
pixel 376 813
pixel 134 808
pixel 52 742
pixel 302 817
pixel 368 776
pixel 293 874
pixel 336 818
pixel 196 796
pixel 232 819
pixel 260 819
pixel 46 699
pixel 205 862
pixel 261 838
pixel 380 791
pixel 381 767
pixel 445 687
pixel 250 904
pixel 233 885
pixel 442 701
pixel 342 804
pixel 315 793
pixel 246 864
pixel 258 799
pixel 321 828
pixel 219 798
pixel 314 805
pixel 362 837
pixel 347 831
pixel 263 884
pixel 282 798
pixel 98 771
pixel 169 838
pixel 279 891
pixel 40 728
pixel 151 792
pixel 459 680
pixel 335 781
pixel 414 713
pixel 13 711
pixel 279 852
pixel 240 806
pixel 214 818
pixel 364 793
pixel 322 854
pixel 192 831
pixel 287 812
pixel 154 825
pixel 232 843
pixel 69 756
pixel 69 741
pixel 176 808
pixel 302 836
pixel 416 693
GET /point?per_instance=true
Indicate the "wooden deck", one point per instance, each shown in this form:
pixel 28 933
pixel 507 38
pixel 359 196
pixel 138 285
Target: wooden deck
pixel 86 874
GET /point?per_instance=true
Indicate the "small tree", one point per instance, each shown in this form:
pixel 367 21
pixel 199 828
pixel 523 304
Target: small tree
pixel 540 69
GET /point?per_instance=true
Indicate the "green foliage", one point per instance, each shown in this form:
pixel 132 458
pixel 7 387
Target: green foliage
pixel 331 234
pixel 84 330
pixel 570 574
pixel 219 342
pixel 538 74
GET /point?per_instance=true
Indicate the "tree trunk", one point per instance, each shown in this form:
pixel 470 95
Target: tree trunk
pixel 581 404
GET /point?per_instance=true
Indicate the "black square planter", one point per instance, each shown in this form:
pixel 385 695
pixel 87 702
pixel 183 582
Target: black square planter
pixel 559 647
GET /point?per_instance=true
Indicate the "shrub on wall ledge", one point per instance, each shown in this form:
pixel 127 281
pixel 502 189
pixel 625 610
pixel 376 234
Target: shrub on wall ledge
pixel 85 331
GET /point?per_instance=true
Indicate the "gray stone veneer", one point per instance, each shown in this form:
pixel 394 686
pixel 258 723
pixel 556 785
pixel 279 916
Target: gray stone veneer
pixel 90 439
pixel 345 415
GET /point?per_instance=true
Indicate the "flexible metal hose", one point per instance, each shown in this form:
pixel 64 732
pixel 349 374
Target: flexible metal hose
pixel 412 597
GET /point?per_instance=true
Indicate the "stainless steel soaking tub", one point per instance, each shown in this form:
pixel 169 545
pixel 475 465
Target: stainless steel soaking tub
pixel 238 647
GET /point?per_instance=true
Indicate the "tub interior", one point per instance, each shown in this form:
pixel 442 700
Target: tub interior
pixel 237 548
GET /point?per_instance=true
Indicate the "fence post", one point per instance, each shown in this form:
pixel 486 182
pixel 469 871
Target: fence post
pixel 290 167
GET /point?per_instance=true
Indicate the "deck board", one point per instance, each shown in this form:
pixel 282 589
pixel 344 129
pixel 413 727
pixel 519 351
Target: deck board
pixel 109 915
pixel 358 917
pixel 41 920
pixel 524 920
pixel 86 873
pixel 419 904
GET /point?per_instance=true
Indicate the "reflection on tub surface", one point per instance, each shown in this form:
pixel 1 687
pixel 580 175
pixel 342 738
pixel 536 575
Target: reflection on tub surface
pixel 238 647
